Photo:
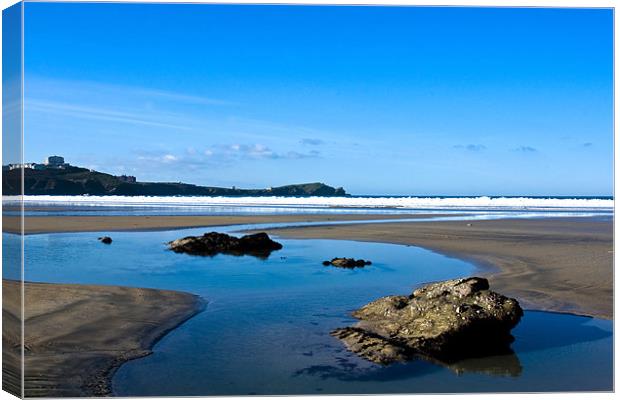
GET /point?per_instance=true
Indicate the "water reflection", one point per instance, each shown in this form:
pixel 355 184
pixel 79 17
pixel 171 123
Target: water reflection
pixel 507 364
pixel 538 331
pixel 349 369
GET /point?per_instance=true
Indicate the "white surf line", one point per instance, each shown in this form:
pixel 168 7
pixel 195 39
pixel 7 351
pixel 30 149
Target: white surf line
pixel 400 203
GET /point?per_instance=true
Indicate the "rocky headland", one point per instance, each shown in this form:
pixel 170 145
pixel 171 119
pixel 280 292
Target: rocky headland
pixel 73 180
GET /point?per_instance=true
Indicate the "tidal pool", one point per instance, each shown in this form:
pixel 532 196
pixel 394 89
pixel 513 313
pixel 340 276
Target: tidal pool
pixel 265 329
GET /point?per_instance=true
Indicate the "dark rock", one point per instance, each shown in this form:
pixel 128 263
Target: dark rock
pixel 341 262
pixel 210 244
pixel 105 239
pixel 447 321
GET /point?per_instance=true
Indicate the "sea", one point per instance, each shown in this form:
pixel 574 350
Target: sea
pixel 265 328
pixel 196 205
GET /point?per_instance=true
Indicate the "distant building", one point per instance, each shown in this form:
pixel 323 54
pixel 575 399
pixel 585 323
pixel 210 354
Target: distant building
pixel 127 178
pixel 55 162
pixel 27 166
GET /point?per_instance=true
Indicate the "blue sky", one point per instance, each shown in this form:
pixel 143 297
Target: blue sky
pixel 11 84
pixel 380 100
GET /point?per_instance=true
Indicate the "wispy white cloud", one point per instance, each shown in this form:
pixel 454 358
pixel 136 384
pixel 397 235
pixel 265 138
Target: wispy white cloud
pixel 38 86
pixel 153 107
pixel 114 103
pixel 164 159
pixel 179 97
pixel 103 114
pixel 144 127
pixel 219 155
pixel 257 151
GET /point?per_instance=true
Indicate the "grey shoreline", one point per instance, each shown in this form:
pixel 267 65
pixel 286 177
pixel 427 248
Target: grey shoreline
pixel 201 305
pixel 68 329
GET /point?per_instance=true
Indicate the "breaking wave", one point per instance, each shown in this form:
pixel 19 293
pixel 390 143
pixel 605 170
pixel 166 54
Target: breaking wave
pixel 413 203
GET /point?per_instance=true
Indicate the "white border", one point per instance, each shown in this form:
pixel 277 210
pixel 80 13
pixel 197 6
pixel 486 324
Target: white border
pixel 480 3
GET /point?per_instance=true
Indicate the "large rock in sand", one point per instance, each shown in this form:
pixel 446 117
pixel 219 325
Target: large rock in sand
pixel 446 321
pixel 212 243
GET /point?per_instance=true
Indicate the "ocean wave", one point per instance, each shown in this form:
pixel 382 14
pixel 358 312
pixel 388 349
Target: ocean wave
pixel 481 202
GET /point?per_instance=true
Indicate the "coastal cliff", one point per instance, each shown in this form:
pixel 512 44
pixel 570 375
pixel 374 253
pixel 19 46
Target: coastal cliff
pixel 81 181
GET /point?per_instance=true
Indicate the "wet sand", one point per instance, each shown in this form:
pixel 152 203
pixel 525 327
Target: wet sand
pixel 78 335
pixel 46 224
pixel 559 264
pixel 554 264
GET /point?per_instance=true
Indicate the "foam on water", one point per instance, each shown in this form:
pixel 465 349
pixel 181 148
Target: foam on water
pixel 482 202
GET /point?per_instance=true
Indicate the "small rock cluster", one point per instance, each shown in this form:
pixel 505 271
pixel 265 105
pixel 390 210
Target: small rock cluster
pixel 341 262
pixel 212 243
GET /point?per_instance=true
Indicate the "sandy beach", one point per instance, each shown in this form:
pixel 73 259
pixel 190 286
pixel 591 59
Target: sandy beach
pixel 555 264
pixel 559 264
pixel 47 224
pixel 78 335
